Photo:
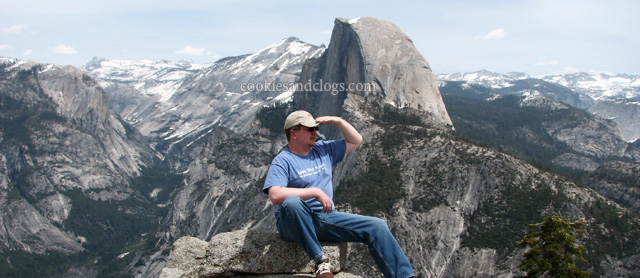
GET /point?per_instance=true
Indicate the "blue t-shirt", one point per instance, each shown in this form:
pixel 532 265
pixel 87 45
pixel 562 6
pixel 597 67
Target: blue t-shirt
pixel 312 170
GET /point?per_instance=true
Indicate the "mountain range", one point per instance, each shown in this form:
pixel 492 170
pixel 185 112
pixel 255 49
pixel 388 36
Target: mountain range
pixel 611 97
pixel 615 97
pixel 103 168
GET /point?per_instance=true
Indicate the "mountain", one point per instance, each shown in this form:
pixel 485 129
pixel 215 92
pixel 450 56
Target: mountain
pixel 130 83
pixel 196 98
pixel 611 97
pixel 524 117
pixel 399 75
pixel 549 134
pixel 595 86
pixel 66 162
pixel 600 86
pixel 169 85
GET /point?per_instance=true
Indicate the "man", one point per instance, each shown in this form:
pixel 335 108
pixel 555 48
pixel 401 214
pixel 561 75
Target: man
pixel 299 181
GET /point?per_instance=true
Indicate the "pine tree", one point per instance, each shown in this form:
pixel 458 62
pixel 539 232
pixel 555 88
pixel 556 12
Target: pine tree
pixel 553 249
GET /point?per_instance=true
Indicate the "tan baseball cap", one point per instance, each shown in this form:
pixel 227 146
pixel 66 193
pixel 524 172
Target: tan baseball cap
pixel 299 117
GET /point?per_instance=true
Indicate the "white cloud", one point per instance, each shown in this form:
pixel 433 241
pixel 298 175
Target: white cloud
pixel 494 34
pixel 5 47
pixel 189 50
pixel 63 49
pixel 547 63
pixel 216 57
pixel 27 52
pixel 15 29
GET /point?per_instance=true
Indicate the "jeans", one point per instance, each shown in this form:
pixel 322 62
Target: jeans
pixel 297 222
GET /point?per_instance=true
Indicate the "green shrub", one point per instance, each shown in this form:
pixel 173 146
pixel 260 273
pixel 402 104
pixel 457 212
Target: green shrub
pixel 553 249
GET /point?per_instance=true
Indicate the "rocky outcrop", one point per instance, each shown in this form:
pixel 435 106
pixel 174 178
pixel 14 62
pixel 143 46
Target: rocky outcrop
pixel 574 161
pixel 252 252
pixel 619 182
pixel 626 114
pixel 80 99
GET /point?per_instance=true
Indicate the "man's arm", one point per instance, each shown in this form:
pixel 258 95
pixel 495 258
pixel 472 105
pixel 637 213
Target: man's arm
pixel 277 195
pixel 351 136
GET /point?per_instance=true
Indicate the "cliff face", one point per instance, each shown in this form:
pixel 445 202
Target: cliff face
pixel 378 65
pixel 59 146
pixel 624 113
pixel 222 189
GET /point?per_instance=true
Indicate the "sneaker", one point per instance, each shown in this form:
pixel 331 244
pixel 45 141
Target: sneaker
pixel 324 270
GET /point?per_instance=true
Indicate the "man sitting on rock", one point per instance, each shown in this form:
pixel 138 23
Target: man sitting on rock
pixel 299 181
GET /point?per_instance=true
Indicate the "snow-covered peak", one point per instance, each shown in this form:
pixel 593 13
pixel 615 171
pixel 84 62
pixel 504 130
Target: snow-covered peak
pixel 277 56
pixel 291 45
pixel 11 63
pixel 149 77
pixel 600 86
pixel 354 20
pixel 596 86
pixel 189 98
pixel 485 78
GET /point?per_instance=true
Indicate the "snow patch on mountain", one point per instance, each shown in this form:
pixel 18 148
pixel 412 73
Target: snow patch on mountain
pixel 149 77
pixel 14 63
pixel 173 101
pixel 485 78
pixel 596 86
pixel 600 86
pixel 292 48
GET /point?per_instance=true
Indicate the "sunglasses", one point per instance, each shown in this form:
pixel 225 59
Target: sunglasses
pixel 310 129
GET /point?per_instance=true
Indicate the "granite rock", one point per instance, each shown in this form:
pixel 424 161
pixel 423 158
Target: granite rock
pixel 246 252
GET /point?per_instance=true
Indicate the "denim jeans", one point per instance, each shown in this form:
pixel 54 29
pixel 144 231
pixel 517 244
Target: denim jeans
pixel 297 222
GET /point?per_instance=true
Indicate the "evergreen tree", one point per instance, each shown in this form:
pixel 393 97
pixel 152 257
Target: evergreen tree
pixel 553 249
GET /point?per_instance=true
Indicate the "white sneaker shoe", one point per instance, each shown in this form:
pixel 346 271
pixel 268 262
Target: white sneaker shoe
pixel 324 269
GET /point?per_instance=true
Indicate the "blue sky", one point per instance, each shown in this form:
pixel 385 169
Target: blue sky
pixel 534 37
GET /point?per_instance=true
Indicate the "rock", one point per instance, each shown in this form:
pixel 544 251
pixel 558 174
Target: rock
pixel 625 114
pixel 187 254
pixel 576 162
pixel 245 252
pixel 374 52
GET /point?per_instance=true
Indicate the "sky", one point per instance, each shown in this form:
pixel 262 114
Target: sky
pixel 536 37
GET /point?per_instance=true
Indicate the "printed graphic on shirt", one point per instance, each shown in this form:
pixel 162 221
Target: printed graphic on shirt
pixel 311 171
